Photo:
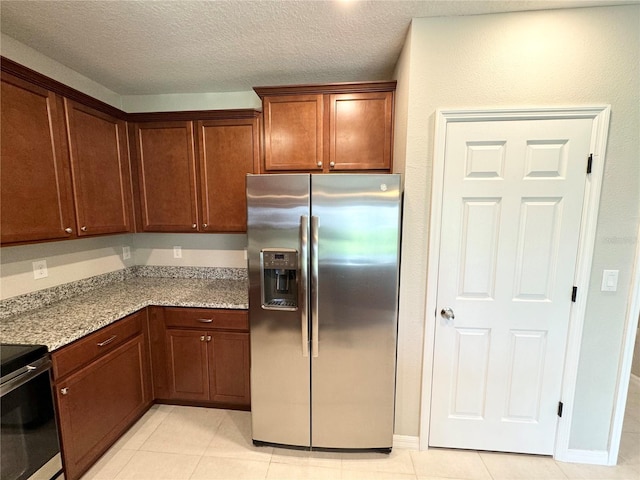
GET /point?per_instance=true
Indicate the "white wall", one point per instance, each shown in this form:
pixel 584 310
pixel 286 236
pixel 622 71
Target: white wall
pixel 20 53
pixel 67 261
pixel 587 56
pixel 198 250
pixel 190 101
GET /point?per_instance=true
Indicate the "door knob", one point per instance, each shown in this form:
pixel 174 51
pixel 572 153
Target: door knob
pixel 447 313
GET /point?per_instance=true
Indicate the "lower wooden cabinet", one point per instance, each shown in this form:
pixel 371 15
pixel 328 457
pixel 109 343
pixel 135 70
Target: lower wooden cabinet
pixel 206 356
pixel 104 382
pixel 100 400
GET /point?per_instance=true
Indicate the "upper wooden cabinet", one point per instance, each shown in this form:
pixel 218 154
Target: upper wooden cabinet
pixel 191 173
pixel 65 161
pixel 360 131
pixel 325 128
pixel 293 132
pixel 228 150
pixel 35 184
pixel 166 163
pixel 100 170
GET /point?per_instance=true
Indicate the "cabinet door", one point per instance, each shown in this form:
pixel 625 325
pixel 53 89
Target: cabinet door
pixel 360 131
pixel 293 132
pixel 228 150
pixel 229 364
pixel 187 364
pixel 96 404
pixel 36 188
pixel 167 176
pixel 100 170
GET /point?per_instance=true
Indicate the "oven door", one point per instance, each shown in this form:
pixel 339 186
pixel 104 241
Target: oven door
pixel 29 436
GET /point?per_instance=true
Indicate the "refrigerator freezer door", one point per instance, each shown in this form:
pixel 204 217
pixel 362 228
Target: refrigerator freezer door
pixel 280 370
pixel 353 366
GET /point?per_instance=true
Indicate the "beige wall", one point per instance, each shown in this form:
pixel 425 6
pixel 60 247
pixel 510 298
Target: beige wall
pixel 586 56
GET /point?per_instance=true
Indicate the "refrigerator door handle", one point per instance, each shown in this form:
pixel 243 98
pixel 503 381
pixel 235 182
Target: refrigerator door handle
pixel 314 286
pixel 304 282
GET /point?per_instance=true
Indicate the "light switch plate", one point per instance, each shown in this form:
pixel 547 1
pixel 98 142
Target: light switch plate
pixel 40 269
pixel 177 251
pixel 126 252
pixel 609 280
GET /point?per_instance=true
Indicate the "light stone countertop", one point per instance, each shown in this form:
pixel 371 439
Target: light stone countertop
pixel 63 322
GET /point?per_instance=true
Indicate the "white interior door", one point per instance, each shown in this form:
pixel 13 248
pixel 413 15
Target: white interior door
pixel 512 204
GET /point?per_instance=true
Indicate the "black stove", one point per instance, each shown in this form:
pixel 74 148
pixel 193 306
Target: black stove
pixel 13 357
pixel 28 432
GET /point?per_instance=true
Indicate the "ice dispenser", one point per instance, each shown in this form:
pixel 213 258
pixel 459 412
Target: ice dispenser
pixel 279 281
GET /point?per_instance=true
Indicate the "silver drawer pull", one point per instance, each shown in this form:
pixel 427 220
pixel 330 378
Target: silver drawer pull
pixel 205 320
pixel 107 341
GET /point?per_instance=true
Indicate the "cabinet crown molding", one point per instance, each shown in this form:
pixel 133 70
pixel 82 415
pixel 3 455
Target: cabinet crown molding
pixel 327 88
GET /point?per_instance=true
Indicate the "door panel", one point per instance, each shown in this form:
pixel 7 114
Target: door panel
pixel 512 205
pixel 280 373
pixel 187 364
pixel 167 171
pixel 228 357
pixel 33 146
pixel 353 369
pixel 228 150
pixel 100 170
pixel 293 132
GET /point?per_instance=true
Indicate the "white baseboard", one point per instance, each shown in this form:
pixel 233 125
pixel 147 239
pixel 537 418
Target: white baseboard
pixel 591 457
pixel 406 441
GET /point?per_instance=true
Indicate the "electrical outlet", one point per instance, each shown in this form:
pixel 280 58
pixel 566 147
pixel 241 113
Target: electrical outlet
pixel 177 251
pixel 126 252
pixel 40 269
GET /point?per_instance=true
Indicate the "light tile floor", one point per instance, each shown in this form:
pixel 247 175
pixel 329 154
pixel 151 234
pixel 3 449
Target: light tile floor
pixel 174 442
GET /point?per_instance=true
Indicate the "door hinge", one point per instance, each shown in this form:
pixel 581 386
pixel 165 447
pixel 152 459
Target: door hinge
pixel 560 407
pixel 574 294
pixel 589 162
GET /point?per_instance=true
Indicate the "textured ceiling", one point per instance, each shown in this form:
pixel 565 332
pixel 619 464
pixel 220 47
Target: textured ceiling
pixel 153 47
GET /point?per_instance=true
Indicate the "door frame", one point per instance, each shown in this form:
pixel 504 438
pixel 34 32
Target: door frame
pixel 599 115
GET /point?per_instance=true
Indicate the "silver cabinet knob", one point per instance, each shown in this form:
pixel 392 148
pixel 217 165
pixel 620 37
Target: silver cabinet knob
pixel 332 164
pixel 205 225
pixel 202 337
pixel 447 313
pixel 83 228
pixel 194 226
pixel 64 391
pixel 68 230
pixel 208 338
pixel 319 164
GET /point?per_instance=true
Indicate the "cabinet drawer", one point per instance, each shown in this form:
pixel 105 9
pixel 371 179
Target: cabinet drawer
pixel 206 317
pixel 87 349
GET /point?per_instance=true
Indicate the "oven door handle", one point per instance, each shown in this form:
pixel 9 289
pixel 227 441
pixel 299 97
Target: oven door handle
pixel 23 375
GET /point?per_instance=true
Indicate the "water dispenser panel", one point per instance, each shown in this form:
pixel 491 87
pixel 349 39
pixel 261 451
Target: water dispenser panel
pixel 279 269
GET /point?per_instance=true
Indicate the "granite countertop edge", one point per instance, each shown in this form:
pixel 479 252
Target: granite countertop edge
pixel 63 322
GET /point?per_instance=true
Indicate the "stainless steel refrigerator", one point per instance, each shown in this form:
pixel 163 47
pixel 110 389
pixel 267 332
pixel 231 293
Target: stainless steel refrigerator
pixel 323 255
